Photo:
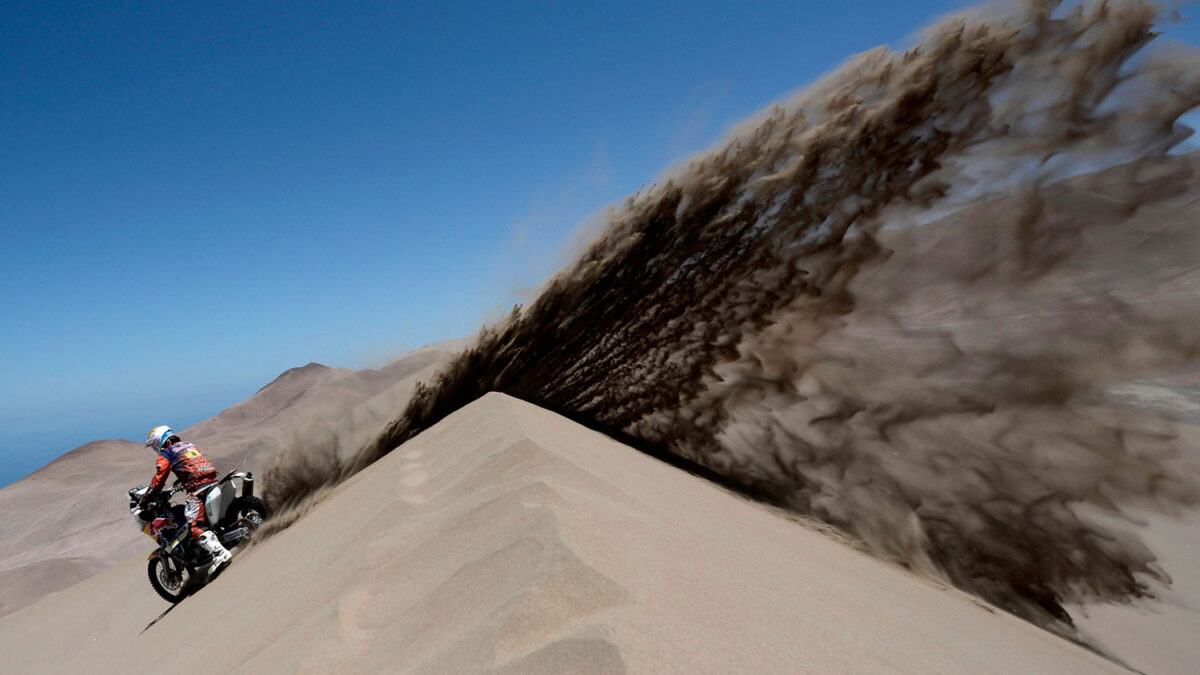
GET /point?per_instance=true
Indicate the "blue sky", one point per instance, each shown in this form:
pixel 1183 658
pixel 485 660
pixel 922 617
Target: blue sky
pixel 195 197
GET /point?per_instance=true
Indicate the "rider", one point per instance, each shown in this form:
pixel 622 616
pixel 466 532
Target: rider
pixel 195 473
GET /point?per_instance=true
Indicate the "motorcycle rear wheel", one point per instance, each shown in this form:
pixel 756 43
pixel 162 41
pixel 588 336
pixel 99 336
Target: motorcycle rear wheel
pixel 251 512
pixel 171 585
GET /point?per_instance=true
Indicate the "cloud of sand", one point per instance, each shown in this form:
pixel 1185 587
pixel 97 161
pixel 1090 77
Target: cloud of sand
pixel 748 314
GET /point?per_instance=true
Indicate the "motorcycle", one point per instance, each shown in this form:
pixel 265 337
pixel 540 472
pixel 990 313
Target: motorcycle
pixel 179 565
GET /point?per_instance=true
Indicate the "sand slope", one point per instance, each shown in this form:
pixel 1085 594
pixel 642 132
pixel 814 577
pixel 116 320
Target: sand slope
pixel 510 539
pixel 67 520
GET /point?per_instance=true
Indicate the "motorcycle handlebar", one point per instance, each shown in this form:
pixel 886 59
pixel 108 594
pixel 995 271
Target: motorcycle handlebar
pixel 168 493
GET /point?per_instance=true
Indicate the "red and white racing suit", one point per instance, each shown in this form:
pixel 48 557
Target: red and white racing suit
pixel 194 473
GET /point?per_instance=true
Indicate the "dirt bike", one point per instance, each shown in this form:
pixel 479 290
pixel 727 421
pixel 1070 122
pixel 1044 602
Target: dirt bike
pixel 179 565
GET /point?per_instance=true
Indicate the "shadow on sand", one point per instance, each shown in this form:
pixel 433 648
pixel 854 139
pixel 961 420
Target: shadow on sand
pixel 159 618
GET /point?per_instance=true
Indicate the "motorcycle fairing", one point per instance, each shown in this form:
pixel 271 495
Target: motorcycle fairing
pixel 217 502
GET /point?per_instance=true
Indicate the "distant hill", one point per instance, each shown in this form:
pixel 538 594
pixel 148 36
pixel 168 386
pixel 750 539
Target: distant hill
pixel 69 520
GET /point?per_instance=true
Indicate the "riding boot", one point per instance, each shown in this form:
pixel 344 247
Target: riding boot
pixel 220 555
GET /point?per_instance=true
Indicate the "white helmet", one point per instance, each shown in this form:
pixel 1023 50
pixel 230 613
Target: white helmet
pixel 158 436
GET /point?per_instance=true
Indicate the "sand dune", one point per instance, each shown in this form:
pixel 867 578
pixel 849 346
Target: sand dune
pixel 510 539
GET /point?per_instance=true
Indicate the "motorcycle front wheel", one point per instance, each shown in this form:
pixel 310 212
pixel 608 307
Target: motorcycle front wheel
pixel 170 579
